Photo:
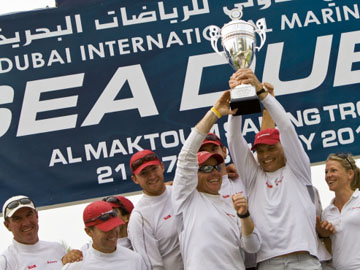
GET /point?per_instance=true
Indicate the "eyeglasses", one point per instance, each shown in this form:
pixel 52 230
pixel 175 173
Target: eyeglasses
pixel 104 216
pixel 14 204
pixel 209 168
pixel 137 163
pixel 213 137
pixel 345 156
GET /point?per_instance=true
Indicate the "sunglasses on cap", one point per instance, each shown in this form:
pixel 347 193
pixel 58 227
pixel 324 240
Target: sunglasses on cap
pixel 104 216
pixel 113 199
pixel 137 163
pixel 209 168
pixel 346 157
pixel 14 204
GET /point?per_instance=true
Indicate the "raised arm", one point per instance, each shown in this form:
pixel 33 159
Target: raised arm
pixel 185 181
pixel 295 154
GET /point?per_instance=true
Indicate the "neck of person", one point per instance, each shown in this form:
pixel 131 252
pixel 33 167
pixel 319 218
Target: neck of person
pixel 342 196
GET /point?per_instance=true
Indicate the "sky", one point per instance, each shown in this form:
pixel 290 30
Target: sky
pixel 64 224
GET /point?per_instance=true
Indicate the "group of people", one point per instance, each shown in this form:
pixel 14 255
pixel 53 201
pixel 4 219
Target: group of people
pixel 266 216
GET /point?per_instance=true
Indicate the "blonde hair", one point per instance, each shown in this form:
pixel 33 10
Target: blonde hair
pixel 347 161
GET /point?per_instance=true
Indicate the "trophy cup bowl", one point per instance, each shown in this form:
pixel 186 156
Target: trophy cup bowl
pixel 239 43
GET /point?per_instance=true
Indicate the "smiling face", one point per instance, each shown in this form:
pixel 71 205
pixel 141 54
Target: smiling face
pixel 103 241
pixel 24 224
pixel 270 157
pixel 209 182
pixel 151 180
pixel 337 177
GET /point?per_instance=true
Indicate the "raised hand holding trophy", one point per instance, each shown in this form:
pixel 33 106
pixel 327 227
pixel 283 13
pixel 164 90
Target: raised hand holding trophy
pixel 239 42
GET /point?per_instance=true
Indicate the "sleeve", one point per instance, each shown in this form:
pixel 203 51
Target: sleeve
pixel 7 262
pixel 251 243
pixel 3 263
pixel 143 241
pixel 240 152
pixel 296 157
pixel 186 178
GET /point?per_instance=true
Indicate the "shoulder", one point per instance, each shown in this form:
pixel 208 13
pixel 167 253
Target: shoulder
pixel 52 247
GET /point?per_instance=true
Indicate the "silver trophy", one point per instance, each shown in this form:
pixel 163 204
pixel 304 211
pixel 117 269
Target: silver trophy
pixel 239 42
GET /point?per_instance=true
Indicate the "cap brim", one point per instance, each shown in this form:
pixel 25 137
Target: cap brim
pixel 110 224
pixel 267 142
pixel 208 155
pixel 146 164
pixel 11 212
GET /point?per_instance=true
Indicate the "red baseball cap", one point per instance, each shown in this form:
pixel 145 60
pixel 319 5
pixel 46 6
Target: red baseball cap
pixel 143 159
pixel 126 203
pixel 205 155
pixel 101 215
pixel 212 138
pixel 267 136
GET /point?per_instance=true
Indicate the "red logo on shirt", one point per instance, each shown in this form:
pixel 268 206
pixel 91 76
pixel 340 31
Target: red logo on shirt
pixel 167 217
pixel 226 196
pixel 48 262
pixel 230 215
pixel 32 266
pixel 269 185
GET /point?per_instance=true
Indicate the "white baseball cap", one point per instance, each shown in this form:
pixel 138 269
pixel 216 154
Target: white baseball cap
pixel 15 203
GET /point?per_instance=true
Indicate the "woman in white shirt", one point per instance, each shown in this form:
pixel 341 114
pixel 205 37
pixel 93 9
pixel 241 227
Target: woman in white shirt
pixel 341 219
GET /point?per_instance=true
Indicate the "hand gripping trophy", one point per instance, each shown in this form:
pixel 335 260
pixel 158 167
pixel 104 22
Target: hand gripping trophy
pixel 239 42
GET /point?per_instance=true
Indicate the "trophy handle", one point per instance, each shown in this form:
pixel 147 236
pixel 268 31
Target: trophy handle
pixel 214 33
pixel 261 30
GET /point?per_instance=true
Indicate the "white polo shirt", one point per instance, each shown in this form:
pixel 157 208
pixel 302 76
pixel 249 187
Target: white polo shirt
pixel 210 231
pixel 152 232
pixel 346 240
pixel 122 258
pixel 40 256
pixel 280 201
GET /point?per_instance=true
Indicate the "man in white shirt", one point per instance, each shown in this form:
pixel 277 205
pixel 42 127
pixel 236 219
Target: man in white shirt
pixel 278 185
pixel 152 229
pixel 213 233
pixel 27 251
pixel 102 225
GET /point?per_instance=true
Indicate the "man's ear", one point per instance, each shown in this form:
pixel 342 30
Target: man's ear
pixel 88 231
pixel 133 177
pixel 225 151
pixel 6 224
pixel 162 167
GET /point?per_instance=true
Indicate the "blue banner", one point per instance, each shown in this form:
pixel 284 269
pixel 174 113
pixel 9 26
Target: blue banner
pixel 82 88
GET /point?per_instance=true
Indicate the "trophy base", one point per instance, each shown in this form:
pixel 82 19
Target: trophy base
pixel 244 98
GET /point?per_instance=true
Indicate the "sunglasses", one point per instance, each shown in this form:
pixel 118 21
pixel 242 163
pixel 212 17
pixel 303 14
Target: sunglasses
pixel 113 199
pixel 104 216
pixel 14 204
pixel 212 137
pixel 137 163
pixel 209 168
pixel 345 156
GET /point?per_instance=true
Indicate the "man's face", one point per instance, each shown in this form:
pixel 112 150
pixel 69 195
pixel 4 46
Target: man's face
pixel 24 224
pixel 104 241
pixel 270 157
pixel 209 182
pixel 151 180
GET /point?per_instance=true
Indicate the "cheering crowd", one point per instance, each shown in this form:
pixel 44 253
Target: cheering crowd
pixel 263 214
